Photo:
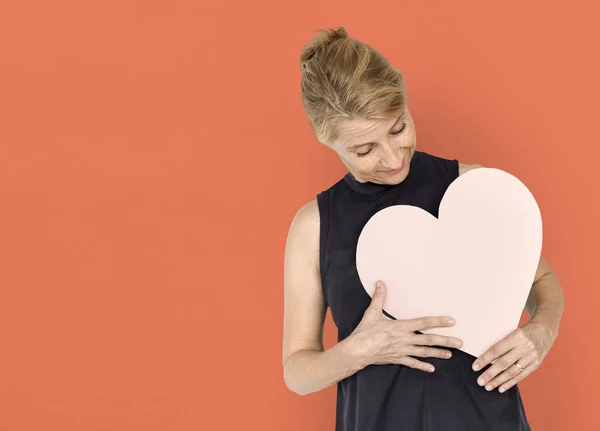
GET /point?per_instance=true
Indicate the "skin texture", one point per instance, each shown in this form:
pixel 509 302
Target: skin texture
pixel 527 345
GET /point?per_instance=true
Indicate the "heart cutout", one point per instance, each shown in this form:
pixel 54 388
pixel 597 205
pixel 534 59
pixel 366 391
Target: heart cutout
pixel 476 262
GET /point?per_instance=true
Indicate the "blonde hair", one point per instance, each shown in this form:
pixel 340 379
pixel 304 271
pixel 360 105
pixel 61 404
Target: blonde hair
pixel 344 79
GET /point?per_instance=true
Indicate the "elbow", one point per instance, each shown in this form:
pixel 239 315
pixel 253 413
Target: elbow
pixel 292 384
pixel 290 381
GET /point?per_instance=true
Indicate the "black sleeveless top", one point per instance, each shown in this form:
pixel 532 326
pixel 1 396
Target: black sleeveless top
pixel 393 397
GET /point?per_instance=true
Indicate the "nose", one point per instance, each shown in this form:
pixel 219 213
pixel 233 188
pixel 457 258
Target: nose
pixel 392 160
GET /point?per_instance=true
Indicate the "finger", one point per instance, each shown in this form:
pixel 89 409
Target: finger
pixel 507 385
pixel 429 352
pixel 379 295
pixel 512 373
pixel 526 371
pixel 429 322
pixel 509 374
pixel 494 352
pixel 435 340
pixel 504 364
pixel 411 362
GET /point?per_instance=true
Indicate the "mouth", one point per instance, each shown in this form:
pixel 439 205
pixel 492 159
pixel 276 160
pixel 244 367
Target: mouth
pixel 395 171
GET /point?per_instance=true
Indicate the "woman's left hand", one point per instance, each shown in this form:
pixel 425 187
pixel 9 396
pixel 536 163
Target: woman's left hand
pixel 526 346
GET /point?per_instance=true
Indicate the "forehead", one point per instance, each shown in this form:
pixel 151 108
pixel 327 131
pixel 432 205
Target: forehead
pixel 361 131
pixel 362 126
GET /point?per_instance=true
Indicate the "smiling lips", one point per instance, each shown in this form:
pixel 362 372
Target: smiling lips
pixel 395 171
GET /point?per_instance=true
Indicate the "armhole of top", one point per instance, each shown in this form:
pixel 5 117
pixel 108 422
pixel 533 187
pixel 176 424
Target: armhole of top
pixel 452 169
pixel 323 203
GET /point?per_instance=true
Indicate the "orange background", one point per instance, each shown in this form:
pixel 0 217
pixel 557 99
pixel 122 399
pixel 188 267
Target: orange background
pixel 153 154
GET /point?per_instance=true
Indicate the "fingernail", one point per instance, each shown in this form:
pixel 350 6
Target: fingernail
pixel 480 381
pixel 501 390
pixel 448 354
pixel 476 366
pixel 379 284
pixel 488 388
pixel 451 321
pixel 430 369
pixel 457 343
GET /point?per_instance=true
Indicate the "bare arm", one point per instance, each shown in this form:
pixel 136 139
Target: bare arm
pixel 545 303
pixel 307 366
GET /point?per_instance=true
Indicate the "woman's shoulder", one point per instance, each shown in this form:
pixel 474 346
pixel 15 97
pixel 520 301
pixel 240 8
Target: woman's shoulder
pixel 462 167
pixel 303 237
pixel 435 166
pixel 309 210
pixel 306 221
pixel 434 157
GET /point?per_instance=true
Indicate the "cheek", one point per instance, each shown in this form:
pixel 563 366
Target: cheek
pixel 371 166
pixel 409 141
pixel 410 136
pixel 363 167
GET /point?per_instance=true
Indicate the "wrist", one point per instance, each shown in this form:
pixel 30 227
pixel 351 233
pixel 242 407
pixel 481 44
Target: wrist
pixel 550 327
pixel 358 358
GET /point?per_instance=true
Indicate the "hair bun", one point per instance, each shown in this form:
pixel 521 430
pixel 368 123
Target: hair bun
pixel 323 38
pixel 327 35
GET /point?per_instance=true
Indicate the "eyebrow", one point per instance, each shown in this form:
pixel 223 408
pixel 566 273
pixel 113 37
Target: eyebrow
pixel 367 143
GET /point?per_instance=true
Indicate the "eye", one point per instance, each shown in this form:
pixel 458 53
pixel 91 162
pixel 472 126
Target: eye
pixel 393 133
pixel 400 131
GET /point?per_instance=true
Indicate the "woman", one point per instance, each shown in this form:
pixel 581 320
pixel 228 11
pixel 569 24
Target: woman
pixel 356 102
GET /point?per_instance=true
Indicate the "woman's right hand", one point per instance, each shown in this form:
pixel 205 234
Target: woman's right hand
pixel 380 340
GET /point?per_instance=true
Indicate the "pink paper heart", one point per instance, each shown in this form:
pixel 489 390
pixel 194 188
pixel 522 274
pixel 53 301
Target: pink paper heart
pixel 476 262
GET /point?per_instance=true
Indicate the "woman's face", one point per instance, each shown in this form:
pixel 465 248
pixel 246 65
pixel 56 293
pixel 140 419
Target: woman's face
pixel 372 148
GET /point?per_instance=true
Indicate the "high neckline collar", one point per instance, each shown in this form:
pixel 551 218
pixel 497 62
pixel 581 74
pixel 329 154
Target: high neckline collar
pixel 375 189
